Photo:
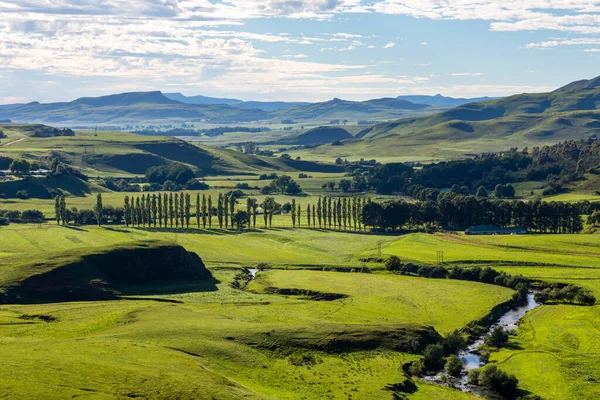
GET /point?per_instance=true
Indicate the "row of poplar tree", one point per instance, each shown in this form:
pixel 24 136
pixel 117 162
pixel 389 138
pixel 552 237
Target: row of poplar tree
pixel 175 210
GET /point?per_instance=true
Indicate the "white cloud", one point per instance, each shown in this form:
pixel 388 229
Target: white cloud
pixel 389 45
pixel 548 44
pixel 424 43
pixel 592 50
pixel 466 74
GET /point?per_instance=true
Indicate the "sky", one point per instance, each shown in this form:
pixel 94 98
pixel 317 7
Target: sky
pixel 294 50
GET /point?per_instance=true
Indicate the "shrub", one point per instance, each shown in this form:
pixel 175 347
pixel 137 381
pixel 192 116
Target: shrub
pixel 434 356
pixel 498 380
pixel 193 184
pixel 497 337
pixel 178 173
pixel 417 367
pixel 453 342
pixel 393 264
pixel 453 365
pixel 32 216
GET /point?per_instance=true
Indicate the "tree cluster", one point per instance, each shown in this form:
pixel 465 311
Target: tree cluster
pixel 465 211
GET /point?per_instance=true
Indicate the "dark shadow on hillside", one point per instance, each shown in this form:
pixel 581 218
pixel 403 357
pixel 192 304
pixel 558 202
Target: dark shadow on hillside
pixel 75 228
pixel 197 231
pixel 170 288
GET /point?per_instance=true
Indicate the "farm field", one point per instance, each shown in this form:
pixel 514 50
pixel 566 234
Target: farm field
pixel 229 343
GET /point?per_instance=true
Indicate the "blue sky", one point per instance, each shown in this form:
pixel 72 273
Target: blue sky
pixel 307 50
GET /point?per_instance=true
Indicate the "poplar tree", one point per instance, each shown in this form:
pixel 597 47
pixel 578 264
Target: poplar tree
pixel 339 213
pixel 160 210
pixel 220 211
pixel 57 212
pixel 182 209
pixel 127 211
pixel 209 211
pixel 293 212
pixel 231 209
pixel 329 211
pixel 166 209
pixel 98 209
pixel 143 210
pixel 138 216
pixel 335 214
pixel 176 209
pixel 63 210
pixel 154 209
pixel 188 210
pixel 319 211
pixel 299 215
pixel 171 210
pixel 314 216
pixel 344 215
pixel 148 209
pixel 355 211
pixel 226 210
pixel 254 210
pixel 308 215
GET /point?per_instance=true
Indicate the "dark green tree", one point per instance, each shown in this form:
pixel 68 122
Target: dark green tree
pixel 98 209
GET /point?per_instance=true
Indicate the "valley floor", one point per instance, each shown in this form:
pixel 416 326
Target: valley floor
pixel 230 343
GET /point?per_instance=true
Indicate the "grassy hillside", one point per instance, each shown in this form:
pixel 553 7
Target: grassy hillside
pixel 126 108
pixel 123 154
pixel 229 343
pixel 319 135
pixel 101 273
pixel 572 112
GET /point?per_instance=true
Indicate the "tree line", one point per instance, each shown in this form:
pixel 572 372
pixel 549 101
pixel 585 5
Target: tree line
pixel 452 210
pixel 179 210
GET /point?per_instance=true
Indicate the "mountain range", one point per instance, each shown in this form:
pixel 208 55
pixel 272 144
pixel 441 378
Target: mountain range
pixel 572 111
pixel 141 108
pixel 441 101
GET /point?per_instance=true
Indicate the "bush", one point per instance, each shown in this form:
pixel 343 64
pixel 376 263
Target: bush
pixel 32 216
pixel 393 264
pixel 266 190
pixel 22 194
pixel 193 184
pixel 416 368
pixel 453 365
pixel 178 173
pixel 497 337
pixel 496 379
pixel 453 342
pixel 434 356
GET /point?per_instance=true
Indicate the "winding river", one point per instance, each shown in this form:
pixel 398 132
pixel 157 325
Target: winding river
pixel 470 357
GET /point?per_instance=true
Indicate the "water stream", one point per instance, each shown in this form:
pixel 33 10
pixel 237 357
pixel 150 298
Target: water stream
pixel 470 357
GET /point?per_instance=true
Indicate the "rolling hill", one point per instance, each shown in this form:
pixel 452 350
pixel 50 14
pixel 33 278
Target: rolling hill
pixel 569 112
pixel 319 135
pixel 338 109
pixel 157 108
pixel 126 108
pixel 441 101
pixel 123 154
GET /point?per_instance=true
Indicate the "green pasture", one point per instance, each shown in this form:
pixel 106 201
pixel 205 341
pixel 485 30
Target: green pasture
pixel 211 344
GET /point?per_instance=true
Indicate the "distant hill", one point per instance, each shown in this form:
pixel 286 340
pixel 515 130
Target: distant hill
pixel 200 99
pixel 126 108
pixel 572 111
pixel 441 101
pixel 244 105
pixel 584 84
pixel 319 135
pixel 268 105
pixel 338 109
